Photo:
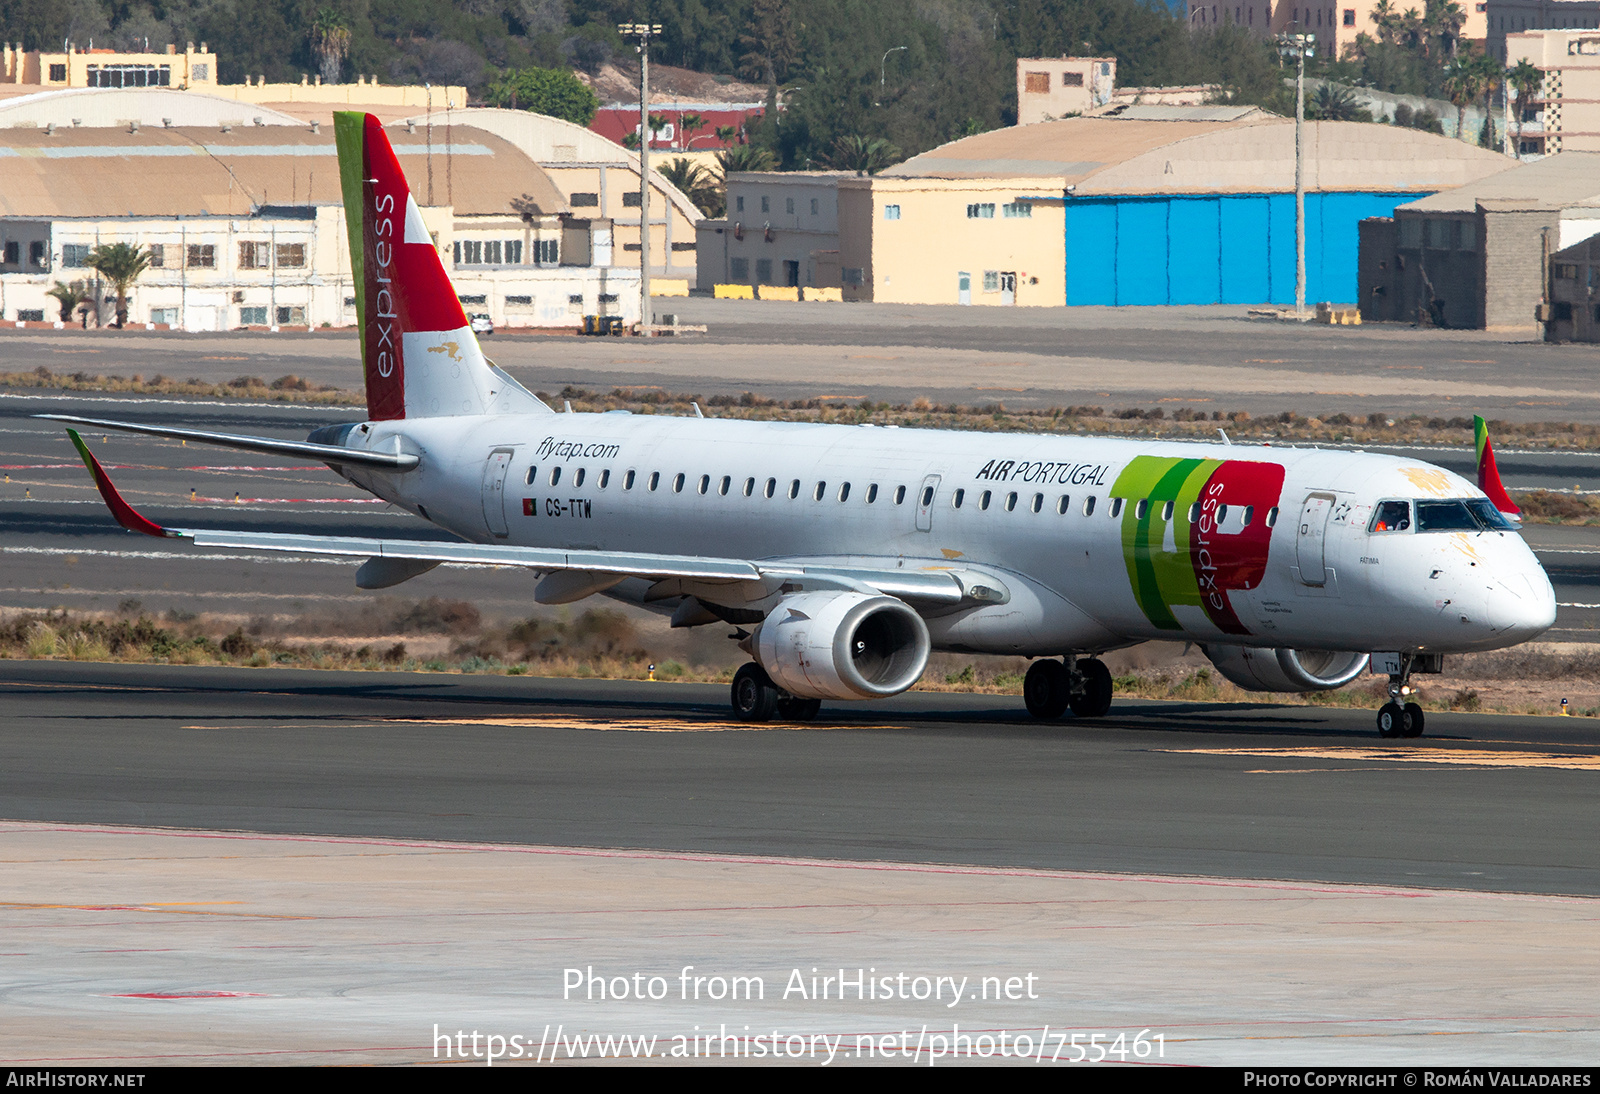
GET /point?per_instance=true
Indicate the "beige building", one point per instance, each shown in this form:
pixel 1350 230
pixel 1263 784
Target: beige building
pixel 1507 17
pixel 782 228
pixel 1051 88
pixel 246 227
pixel 75 67
pixel 1564 116
pixel 1335 26
pixel 598 178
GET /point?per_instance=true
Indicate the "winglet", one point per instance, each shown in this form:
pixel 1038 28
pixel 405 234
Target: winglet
pixel 126 515
pixel 1488 473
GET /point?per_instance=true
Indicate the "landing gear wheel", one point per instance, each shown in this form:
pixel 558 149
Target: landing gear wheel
pixel 793 709
pixel 1392 720
pixel 1094 701
pixel 755 698
pixel 1047 689
pixel 1413 720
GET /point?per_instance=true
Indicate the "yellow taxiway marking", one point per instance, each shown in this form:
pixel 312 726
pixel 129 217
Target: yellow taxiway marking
pixel 628 725
pixel 1458 757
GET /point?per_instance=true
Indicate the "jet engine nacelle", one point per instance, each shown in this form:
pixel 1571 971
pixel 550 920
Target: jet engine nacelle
pixel 1287 670
pixel 843 645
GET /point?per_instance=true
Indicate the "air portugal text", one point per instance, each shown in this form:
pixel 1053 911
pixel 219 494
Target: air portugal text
pixel 1066 474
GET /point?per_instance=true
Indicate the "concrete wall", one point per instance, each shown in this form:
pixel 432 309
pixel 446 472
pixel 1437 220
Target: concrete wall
pixel 1515 248
pixel 1575 294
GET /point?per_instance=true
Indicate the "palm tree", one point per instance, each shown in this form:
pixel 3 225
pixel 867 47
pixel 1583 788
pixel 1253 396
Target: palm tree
pixel 688 123
pixel 69 297
pixel 863 155
pixel 330 41
pixel 1463 85
pixel 1528 81
pixel 1447 18
pixel 1333 103
pixel 121 264
pixel 746 157
pixel 1387 21
pixel 727 134
pixel 697 184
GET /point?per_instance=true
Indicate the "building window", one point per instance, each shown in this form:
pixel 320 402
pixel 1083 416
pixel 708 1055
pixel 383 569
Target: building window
pixel 739 269
pixel 630 199
pixel 254 256
pixel 201 256
pixel 469 252
pixel 491 252
pixel 982 210
pixel 519 301
pixel 199 73
pixel 513 252
pixel 680 247
pixel 1349 17
pixel 72 254
pixel 581 200
pixel 480 298
pixel 1036 83
pixel 891 212
pixel 58 74
pixel 36 254
pixel 169 316
pixel 158 256
pixel 1072 79
pixel 991 280
pixel 1017 209
pixel 253 317
pixel 764 271
pixel 291 316
pixel 128 75
pixel 738 204
pixel 852 275
pixel 546 252
pixel 291 256
pixel 814 206
pixel 788 205
pixel 608 298
pixel 766 204
pixel 30 315
pixel 13 252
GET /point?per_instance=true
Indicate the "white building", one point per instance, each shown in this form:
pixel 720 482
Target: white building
pixel 781 228
pixel 245 226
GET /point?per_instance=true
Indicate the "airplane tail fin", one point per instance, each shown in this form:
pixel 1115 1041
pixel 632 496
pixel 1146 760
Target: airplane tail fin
pixel 420 356
pixel 1489 473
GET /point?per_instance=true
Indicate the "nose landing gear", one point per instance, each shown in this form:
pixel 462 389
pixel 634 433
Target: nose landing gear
pixel 1397 718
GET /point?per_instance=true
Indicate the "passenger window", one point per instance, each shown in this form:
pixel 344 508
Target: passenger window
pixel 627 480
pixel 1116 508
pixel 655 479
pixel 772 487
pixel 1038 502
pixel 794 489
pixel 984 499
pixel 1011 501
pixel 577 477
pixel 1166 511
pixel 821 489
pixel 749 487
pixel 605 478
pixel 1222 516
pixel 1272 516
pixel 705 483
pixel 957 498
pixel 677 482
pixel 555 475
pixel 1194 513
pixel 1063 503
pixel 1249 515
pixel 899 495
pixel 844 492
pixel 1391 516
pixel 872 493
pixel 1140 508
pixel 727 481
pixel 1088 506
pixel 927 495
pixel 532 472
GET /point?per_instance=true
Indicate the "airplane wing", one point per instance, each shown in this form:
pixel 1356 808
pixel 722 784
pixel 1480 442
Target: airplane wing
pixel 326 453
pixel 391 561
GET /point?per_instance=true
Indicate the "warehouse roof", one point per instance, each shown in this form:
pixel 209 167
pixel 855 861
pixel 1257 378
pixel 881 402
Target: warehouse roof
pixel 1251 154
pixel 193 171
pixel 1566 181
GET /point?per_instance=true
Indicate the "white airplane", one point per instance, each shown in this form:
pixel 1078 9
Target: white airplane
pixel 851 552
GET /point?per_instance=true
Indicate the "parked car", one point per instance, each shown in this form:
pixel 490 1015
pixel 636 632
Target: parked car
pixel 481 324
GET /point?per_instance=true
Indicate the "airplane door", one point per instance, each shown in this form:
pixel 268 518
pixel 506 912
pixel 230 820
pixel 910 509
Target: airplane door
pixel 494 491
pixel 929 491
pixel 1312 537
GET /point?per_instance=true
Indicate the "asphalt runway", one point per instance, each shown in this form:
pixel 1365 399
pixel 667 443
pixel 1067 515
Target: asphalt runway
pixel 1481 803
pixel 1211 358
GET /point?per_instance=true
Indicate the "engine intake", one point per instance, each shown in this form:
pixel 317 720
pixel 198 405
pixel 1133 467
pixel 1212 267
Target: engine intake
pixel 843 645
pixel 1287 670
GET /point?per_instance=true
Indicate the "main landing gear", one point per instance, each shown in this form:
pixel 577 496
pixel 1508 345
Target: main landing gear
pixel 757 699
pixel 1052 687
pixel 1398 718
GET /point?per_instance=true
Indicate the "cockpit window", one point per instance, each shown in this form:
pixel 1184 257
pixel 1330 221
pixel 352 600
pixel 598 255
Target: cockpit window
pixel 1391 516
pixel 1446 516
pixel 1490 517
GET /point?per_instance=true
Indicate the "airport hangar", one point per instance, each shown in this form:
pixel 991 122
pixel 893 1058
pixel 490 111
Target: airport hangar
pixel 1147 205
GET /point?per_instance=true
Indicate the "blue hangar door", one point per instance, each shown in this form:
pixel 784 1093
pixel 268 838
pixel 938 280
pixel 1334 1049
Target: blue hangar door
pixel 1215 249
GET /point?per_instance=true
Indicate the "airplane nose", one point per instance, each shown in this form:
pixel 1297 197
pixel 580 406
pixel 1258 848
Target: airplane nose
pixel 1521 606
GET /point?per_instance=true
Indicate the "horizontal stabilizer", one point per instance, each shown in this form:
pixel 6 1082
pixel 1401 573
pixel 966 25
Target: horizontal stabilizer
pixel 323 453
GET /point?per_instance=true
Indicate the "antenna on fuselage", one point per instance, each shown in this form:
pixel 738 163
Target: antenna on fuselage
pixel 1224 435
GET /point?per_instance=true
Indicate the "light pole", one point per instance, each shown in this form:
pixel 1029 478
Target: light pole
pixel 1299 46
pixel 883 71
pixel 642 33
